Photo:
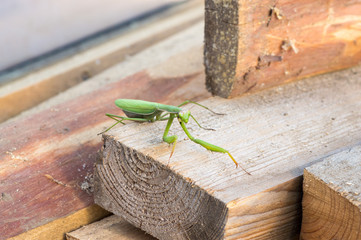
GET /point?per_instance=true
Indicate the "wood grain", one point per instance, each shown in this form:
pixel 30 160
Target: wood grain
pixel 58 143
pixel 251 45
pixel 271 214
pixel 274 134
pixel 331 200
pixel 161 203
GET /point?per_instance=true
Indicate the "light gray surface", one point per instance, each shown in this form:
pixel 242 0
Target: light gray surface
pixel 32 28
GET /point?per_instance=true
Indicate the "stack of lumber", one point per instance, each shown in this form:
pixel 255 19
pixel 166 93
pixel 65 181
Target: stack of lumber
pixel 52 171
pixel 275 133
pixel 198 194
pixel 48 152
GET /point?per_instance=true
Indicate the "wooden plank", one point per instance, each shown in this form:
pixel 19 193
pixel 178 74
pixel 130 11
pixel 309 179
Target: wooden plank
pixel 332 199
pixel 57 228
pixel 251 45
pixel 199 194
pixel 47 155
pixel 39 86
pixel 113 227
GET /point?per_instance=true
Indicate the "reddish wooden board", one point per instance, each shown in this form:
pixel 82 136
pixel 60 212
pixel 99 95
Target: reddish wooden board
pixel 48 156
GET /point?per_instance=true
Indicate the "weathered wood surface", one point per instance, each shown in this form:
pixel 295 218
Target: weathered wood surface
pixel 275 134
pixel 250 45
pixel 110 228
pixel 56 228
pixel 47 154
pixel 36 87
pixel 332 197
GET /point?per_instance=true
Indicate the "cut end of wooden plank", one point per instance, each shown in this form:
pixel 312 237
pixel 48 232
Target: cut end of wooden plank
pixel 152 197
pixel 252 45
pixel 113 227
pixel 332 199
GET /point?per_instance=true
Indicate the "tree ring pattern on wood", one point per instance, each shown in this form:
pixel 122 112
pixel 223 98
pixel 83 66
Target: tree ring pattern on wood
pixel 152 197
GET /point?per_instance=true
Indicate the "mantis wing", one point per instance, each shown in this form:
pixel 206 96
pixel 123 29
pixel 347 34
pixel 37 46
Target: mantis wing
pixel 143 109
pixel 137 107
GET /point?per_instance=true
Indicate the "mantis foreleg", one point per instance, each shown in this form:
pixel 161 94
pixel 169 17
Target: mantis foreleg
pixel 209 146
pixel 170 139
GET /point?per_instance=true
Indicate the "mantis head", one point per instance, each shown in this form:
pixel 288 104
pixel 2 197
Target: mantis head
pixel 185 116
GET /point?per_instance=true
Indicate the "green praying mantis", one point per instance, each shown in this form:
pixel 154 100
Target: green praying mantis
pixel 144 111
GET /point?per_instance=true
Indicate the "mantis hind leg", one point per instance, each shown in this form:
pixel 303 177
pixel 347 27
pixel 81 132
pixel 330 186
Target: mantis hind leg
pixel 115 117
pixel 120 119
pixel 209 146
pixel 215 148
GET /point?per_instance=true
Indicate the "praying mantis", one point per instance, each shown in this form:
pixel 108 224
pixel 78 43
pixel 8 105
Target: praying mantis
pixel 144 111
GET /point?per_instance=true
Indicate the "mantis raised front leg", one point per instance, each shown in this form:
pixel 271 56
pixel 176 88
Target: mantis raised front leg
pixel 198 104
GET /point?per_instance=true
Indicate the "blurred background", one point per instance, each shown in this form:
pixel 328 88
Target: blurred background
pixel 31 31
